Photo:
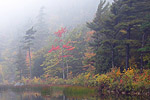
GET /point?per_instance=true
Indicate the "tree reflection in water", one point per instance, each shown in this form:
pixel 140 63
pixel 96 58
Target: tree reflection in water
pixel 57 95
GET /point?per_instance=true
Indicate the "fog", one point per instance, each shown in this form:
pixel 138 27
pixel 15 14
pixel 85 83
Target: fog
pixel 17 16
pixel 16 13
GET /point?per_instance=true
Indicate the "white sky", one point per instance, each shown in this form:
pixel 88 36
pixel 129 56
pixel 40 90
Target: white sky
pixel 14 13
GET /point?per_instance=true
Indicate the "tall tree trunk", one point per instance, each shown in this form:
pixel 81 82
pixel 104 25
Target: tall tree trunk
pixel 113 63
pixel 128 47
pixel 63 69
pixel 142 64
pixel 67 69
pixel 30 62
pixel 128 37
pixel 143 43
pixel 127 55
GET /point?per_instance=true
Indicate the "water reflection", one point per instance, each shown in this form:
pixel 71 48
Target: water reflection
pixel 10 95
pixel 30 95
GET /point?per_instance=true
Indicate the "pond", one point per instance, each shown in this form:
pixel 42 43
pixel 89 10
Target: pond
pixel 10 94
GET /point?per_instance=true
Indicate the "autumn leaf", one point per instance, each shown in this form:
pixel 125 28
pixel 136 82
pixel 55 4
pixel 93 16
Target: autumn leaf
pixel 71 48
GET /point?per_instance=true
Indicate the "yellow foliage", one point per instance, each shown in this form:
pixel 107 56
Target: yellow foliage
pixel 102 78
pixel 25 80
pixel 70 75
pixel 89 55
pixel 129 72
pixel 95 76
pixel 88 75
pixel 118 73
pixel 146 57
pixel 46 75
pixel 36 80
pixel 123 31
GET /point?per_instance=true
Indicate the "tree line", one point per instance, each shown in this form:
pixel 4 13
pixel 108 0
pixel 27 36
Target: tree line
pixel 118 36
pixel 121 35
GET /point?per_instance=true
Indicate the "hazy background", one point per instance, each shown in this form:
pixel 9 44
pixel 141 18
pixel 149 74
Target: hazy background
pixel 14 14
pixel 46 16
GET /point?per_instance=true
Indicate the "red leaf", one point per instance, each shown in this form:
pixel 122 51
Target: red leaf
pixel 64 46
pixel 50 51
pixel 54 48
pixel 71 48
pixel 60 32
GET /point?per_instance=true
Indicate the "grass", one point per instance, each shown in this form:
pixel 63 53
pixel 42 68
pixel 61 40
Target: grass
pixel 77 91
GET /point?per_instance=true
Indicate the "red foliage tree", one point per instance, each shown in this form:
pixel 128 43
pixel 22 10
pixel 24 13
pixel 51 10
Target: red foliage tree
pixel 65 46
pixel 62 46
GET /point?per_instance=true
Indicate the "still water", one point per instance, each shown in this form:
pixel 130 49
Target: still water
pixel 30 95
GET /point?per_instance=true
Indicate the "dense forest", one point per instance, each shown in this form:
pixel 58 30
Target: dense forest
pixel 121 35
pixel 110 50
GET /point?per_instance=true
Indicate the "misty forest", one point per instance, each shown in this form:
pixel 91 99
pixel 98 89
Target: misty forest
pixel 75 49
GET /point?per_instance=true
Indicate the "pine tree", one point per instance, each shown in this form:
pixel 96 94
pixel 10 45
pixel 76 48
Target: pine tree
pixel 28 44
pixel 42 33
pixel 143 8
pixel 120 33
pixel 101 62
pixel 127 21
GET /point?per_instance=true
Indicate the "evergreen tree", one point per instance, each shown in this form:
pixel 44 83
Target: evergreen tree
pixel 101 62
pixel 119 34
pixel 42 33
pixel 28 44
pixel 143 6
pixel 129 22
